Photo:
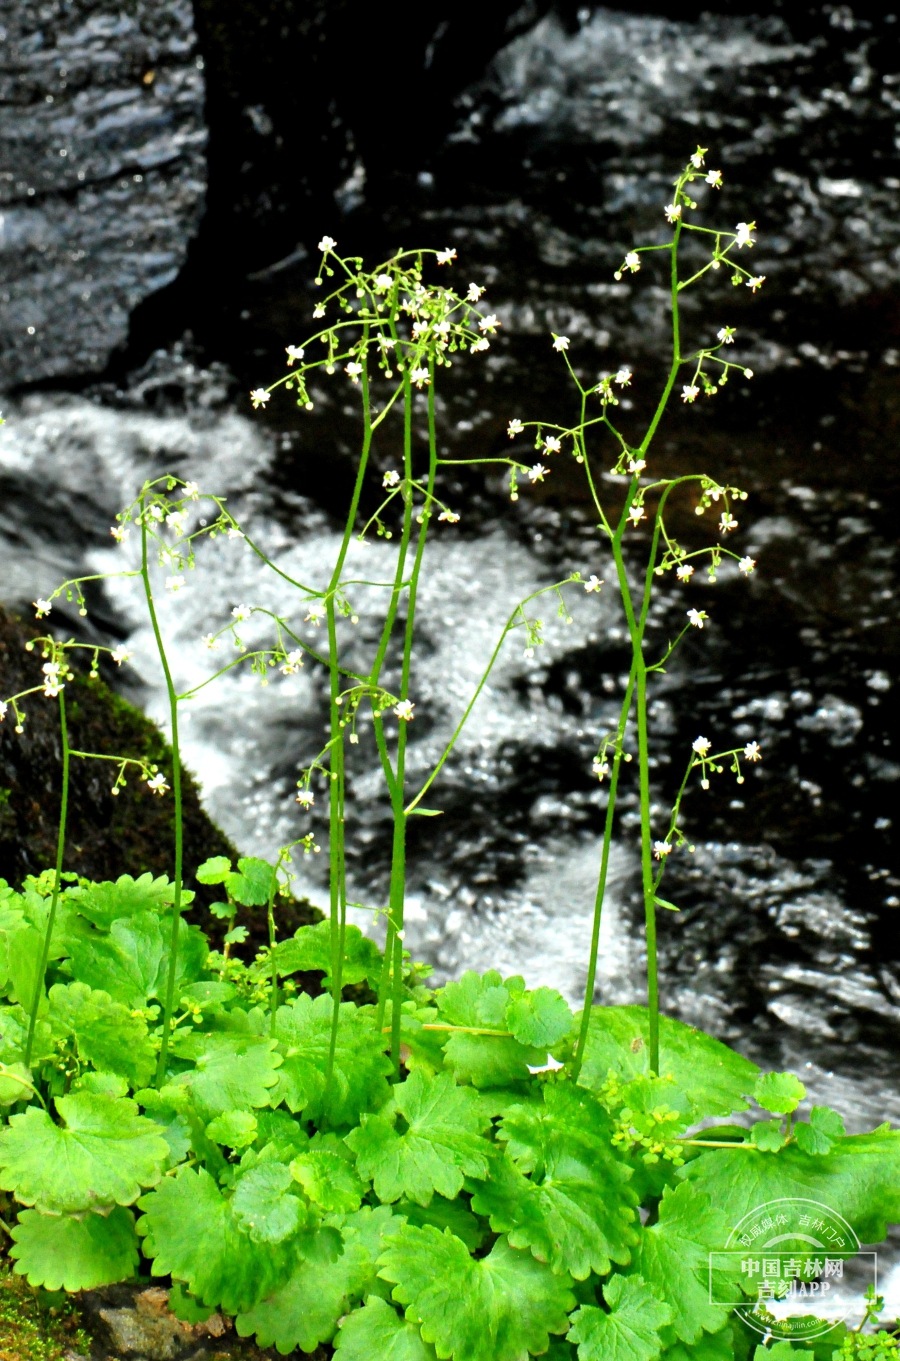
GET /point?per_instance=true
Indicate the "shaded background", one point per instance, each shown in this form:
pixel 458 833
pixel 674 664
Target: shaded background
pixel 166 258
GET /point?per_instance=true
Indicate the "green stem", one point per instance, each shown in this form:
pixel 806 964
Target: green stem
pixel 57 881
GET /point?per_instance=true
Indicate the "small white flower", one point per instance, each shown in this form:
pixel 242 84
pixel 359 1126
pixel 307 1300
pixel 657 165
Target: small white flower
pixel 636 465
pixel 714 177
pixel 727 522
pixel 158 784
pixel 442 329
pixel 745 232
pixel 444 257
pixel 305 798
pixel 746 565
pixel 754 284
pixel 636 514
pixel 689 392
pixel 404 710
pixel 383 282
pixel 537 472
pixel 623 377
pixel 119 533
pixel 697 617
pixel 259 397
pixel 552 444
pixel 488 324
pixel 474 293
pixel 386 342
pixel 175 521
pixel 174 584
pixel 726 335
pixel 593 583
pixel 481 344
pixel 327 243
pixel 661 849
pixel 515 427
pixel 241 612
pixel 684 572
pixel 701 745
pixel 752 752
pixel 560 342
pixel 3 709
pixel 41 607
pixel 292 663
pixel 234 533
pixel 353 370
pixel 354 739
pixel 419 377
pixel 673 211
pixel 450 516
pixel 697 158
pixel 120 654
pixel 316 614
pixel 318 311
pixel 210 640
pixel 599 768
pixel 633 261
pixel 294 352
pixel 390 479
pixel 420 328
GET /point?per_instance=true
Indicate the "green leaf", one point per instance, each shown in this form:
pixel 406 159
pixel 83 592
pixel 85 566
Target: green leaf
pixel 263 1206
pixel 11 1089
pixel 253 885
pixel 820 1135
pixel 185 1307
pixel 440 1145
pixel 484 1060
pixel 376 1333
pixel 664 902
pixel 191 1232
pixel 629 1332
pixel 232 1072
pixel 779 1351
pixel 310 949
pixel 24 952
pixel 329 1180
pixel 427 812
pixel 190 958
pixel 767 1136
pixel 102 1084
pixel 446 1214
pixel 303 1030
pixel 214 871
pixel 306 1310
pixel 541 1018
pixel 211 994
pixel 712 1079
pixel 106 1033
pixel 576 1210
pixel 495 1309
pixel 124 963
pixel 74 1254
pixel 103 903
pixel 779 1092
pixel 234 1129
pixel 673 1258
pixel 859 1179
pixel 709 1347
pixel 102 1156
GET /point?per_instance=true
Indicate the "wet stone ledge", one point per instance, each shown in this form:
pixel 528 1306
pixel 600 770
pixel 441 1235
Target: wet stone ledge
pixel 102 173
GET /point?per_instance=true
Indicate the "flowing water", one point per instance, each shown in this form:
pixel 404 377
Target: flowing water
pixel 786 941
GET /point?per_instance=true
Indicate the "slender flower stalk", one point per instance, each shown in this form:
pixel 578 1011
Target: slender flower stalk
pixel 57 881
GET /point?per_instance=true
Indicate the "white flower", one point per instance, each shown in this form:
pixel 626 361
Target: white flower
pixel 294 352
pixel 661 849
pixel 174 584
pixel 515 427
pixel 157 783
pixel 474 293
pixel 537 472
pixel 727 522
pixel 316 614
pixel 754 284
pixel 327 243
pixel 488 323
pixel 234 533
pixel 292 662
pixel 419 329
pixel 318 311
pixel 353 370
pixel 404 710
pixel 442 329
pixel 419 376
pixel 450 516
pixel 599 768
pixel 259 397
pixel 241 612
pixel 3 709
pixel 623 377
pixel 633 261
pixel 305 798
pixel 390 479
pixel 714 177
pixel 752 752
pixel 593 583
pixel 726 335
pixel 636 514
pixel 386 342
pixel 120 654
pixel 745 232
pixel 560 342
pixel 119 533
pixel 191 490
pixel 673 211
pixel 689 392
pixel 156 513
pixel 444 257
pixel 354 738
pixel 697 617
pixel 684 572
pixel 697 158
pixel 383 282
pixel 175 521
pixel 746 565
pixel 552 444
pixel 41 607
pixel 210 640
pixel 701 745
pixel 636 465
pixel 481 344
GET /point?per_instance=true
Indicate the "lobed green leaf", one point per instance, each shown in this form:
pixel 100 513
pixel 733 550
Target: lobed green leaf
pixel 62 1253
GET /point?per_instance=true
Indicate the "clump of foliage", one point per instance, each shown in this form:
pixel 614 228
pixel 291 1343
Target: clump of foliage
pixel 471 1171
